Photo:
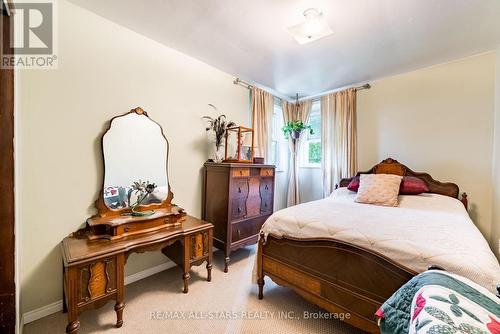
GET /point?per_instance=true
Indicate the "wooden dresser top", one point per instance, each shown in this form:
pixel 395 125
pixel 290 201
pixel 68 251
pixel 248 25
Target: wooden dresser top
pixel 78 250
pixel 236 165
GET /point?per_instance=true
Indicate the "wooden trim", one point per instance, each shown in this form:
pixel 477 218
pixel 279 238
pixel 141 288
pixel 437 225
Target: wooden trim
pixel 7 235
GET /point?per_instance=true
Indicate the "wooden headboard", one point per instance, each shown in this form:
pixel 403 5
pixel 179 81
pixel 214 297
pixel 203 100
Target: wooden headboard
pixel 391 166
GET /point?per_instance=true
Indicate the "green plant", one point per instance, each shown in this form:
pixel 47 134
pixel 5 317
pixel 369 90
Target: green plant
pixel 296 126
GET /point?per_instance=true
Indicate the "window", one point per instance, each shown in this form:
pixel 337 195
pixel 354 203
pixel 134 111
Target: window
pixel 310 153
pixel 279 144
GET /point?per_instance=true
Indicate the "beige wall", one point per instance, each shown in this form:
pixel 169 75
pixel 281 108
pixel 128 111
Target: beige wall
pixel 104 70
pixel 440 120
pixel 495 227
pixel 437 119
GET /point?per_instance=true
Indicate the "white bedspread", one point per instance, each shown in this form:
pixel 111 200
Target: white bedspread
pixel 423 230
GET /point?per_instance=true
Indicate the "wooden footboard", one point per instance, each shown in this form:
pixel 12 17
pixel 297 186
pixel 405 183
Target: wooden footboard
pixel 337 276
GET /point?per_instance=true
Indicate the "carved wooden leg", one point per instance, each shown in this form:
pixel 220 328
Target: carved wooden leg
pixel 186 266
pixel 186 277
pixel 70 275
pixel 73 327
pixel 210 255
pixel 119 313
pixel 120 289
pixel 261 283
pixel 209 272
pixel 260 267
pixel 227 252
pixel 65 306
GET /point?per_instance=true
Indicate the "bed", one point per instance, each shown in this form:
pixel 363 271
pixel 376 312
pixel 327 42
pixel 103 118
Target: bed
pixel 349 258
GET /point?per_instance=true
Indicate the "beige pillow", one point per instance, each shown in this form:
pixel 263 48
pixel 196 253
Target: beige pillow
pixel 379 189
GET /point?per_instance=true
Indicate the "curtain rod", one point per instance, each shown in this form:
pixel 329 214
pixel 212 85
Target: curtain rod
pixel 318 96
pixel 245 84
pixel 240 82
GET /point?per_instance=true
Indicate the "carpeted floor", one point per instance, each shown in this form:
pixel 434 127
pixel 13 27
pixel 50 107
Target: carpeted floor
pixel 228 304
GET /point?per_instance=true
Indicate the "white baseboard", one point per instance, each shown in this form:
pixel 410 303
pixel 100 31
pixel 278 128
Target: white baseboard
pixel 58 306
pixel 148 272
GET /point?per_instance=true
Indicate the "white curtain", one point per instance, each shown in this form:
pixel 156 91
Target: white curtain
pixel 338 138
pixel 293 113
pixel 262 114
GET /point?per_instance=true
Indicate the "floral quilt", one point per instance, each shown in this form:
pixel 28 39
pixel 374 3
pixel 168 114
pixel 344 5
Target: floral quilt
pixel 436 302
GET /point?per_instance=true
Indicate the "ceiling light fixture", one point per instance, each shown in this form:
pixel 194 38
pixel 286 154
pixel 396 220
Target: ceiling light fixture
pixel 313 28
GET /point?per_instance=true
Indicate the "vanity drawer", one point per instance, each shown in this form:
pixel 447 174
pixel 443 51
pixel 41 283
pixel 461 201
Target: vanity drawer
pixel 96 280
pixel 245 229
pixel 239 188
pixel 199 245
pixel 267 172
pixel 238 208
pixel 240 172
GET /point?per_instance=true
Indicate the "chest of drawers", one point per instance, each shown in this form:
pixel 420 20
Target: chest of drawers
pixel 237 200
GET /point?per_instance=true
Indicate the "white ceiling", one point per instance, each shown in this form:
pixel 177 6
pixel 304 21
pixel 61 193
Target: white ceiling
pixel 371 38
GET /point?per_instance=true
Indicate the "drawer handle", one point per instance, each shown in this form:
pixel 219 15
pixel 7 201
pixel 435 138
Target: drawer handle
pixel 239 233
pixel 109 289
pixel 239 210
pixel 239 189
pixel 87 299
pixel 241 172
pixel 265 204
pixel 127 228
pixel 266 187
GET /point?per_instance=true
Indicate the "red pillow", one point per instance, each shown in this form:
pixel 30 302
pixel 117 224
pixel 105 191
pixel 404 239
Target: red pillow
pixel 354 184
pixel 411 185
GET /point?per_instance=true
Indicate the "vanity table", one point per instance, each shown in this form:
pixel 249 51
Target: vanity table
pixel 133 216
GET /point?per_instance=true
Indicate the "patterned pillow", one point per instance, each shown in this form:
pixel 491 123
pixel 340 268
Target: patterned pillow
pixel 378 189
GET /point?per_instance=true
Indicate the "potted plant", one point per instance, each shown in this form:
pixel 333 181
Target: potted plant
pixel 295 128
pixel 218 126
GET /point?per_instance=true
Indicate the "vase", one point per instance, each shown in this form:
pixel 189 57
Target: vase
pixel 296 134
pixel 219 154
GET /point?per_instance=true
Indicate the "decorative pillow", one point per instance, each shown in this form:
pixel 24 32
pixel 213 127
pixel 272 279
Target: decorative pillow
pixel 354 184
pixel 379 189
pixel 411 185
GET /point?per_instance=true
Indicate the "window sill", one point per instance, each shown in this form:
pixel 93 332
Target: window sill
pixel 311 167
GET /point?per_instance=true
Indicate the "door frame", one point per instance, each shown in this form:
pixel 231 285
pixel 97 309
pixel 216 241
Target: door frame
pixel 7 205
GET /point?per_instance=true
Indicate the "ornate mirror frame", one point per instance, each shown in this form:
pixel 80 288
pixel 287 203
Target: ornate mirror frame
pixel 112 223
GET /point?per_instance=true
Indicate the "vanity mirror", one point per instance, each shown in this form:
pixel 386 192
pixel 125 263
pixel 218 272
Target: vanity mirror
pixel 135 197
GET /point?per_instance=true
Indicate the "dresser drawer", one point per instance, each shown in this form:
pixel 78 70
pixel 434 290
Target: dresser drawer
pixel 239 188
pixel 240 172
pixel 266 205
pixel 266 187
pixel 238 208
pixel 267 172
pixel 246 229
pixel 96 280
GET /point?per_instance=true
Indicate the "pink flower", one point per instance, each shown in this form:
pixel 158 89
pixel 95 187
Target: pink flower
pixel 420 303
pixel 380 313
pixel 493 326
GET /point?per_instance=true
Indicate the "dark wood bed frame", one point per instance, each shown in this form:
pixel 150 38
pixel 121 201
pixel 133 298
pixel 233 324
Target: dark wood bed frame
pixel 339 276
